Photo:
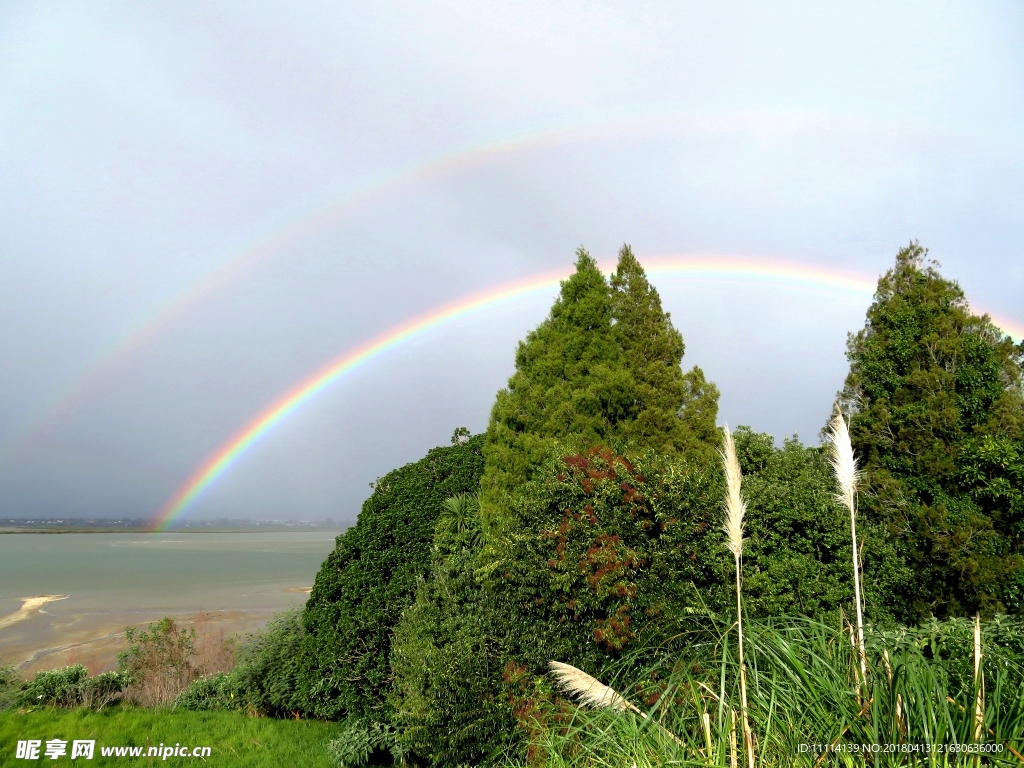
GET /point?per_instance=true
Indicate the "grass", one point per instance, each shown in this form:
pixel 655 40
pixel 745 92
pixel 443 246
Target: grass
pixel 803 690
pixel 235 739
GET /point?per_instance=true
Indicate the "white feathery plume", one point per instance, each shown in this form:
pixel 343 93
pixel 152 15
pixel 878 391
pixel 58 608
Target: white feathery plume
pixel 589 689
pixel 735 509
pixel 592 691
pixel 844 465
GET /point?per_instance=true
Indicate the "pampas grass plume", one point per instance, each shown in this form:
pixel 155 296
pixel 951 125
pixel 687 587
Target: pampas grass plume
pixel 844 464
pixel 735 507
pixel 589 689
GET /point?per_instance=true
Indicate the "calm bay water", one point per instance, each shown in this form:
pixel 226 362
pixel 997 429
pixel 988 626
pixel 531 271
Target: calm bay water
pixel 116 579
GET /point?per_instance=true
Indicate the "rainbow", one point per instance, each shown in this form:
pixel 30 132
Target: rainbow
pixel 707 267
pixel 376 190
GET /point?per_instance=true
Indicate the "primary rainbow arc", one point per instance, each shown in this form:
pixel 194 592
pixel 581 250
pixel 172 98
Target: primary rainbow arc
pixel 729 267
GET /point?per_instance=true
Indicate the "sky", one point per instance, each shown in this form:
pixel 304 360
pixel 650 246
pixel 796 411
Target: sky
pixel 201 205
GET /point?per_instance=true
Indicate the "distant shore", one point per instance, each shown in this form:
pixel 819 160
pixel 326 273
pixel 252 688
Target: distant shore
pixel 265 529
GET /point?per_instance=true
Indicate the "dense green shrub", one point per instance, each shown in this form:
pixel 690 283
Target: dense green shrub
pixel 609 552
pixel 104 688
pixel 446 695
pixel 797 556
pixel 370 578
pixel 67 687
pixel 56 687
pixel 268 666
pixel 610 549
pixel 265 678
pixel 210 693
pixel 72 687
pixel 365 742
pixel 938 419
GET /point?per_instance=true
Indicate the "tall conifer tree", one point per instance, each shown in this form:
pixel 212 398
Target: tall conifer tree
pixel 603 368
pixel 668 410
pixel 938 421
pixel 599 377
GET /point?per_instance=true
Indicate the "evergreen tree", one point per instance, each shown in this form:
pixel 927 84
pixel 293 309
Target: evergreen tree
pixel 603 368
pixel 598 378
pixel 938 422
pixel 666 410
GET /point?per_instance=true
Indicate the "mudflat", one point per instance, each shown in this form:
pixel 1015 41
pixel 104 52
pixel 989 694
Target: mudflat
pixel 67 598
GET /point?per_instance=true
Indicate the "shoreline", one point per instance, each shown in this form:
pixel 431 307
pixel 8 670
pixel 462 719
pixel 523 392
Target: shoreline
pixel 13 531
pixel 97 647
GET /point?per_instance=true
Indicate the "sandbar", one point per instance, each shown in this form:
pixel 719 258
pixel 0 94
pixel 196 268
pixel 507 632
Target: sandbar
pixel 29 606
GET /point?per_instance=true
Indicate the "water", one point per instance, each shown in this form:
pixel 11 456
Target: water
pixel 112 580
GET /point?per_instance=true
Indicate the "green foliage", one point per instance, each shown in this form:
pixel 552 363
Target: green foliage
pixel 938 419
pixel 950 644
pixel 101 689
pixel 365 742
pixel 162 652
pixel 67 687
pixel 206 694
pixel 800 693
pixel 446 696
pixel 609 549
pixel 266 677
pixel 797 555
pixel 603 367
pixel 11 686
pixel 56 687
pixel 234 738
pixel 370 578
pixel 268 668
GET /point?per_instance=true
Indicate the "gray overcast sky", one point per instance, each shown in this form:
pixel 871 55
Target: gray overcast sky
pixel 145 147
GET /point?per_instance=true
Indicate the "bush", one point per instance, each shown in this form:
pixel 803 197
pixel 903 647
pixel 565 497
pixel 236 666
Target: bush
pixel 56 687
pixel 599 553
pixel 11 686
pixel 164 659
pixel 72 687
pixel 268 670
pixel 207 694
pixel 364 742
pixel 105 688
pixel 446 695
pixel 265 679
pixel 370 578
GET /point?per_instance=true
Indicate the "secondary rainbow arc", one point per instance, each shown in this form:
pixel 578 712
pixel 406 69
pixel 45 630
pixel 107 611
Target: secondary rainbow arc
pixel 727 267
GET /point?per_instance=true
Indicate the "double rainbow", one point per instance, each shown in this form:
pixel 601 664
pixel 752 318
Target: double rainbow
pixel 715 267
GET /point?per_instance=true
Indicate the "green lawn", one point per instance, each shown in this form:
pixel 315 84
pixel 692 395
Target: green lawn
pixel 234 739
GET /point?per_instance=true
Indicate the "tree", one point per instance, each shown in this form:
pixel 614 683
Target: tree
pixel 370 578
pixel 604 367
pixel 937 418
pixel 600 378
